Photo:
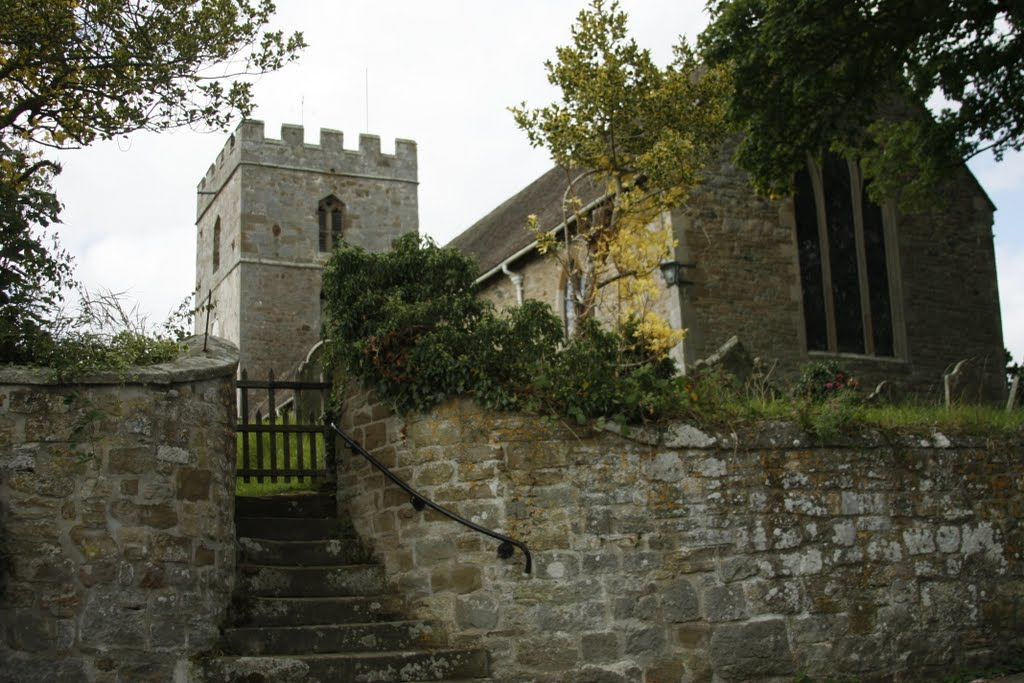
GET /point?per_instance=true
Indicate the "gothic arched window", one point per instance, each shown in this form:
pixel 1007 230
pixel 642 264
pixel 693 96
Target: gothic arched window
pixel 331 218
pixel 216 245
pixel 845 262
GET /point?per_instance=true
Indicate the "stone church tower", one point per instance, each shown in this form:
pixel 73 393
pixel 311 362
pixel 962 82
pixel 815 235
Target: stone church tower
pixel 268 213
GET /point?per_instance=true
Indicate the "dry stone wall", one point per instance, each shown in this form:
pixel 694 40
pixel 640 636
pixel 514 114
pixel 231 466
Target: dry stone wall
pixel 679 555
pixel 117 520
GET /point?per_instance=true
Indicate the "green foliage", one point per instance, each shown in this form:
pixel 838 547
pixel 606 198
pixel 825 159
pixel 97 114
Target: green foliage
pixel 402 319
pixel 73 71
pixel 103 335
pixel 825 380
pixel 1012 369
pixel 32 273
pixel 409 322
pixel 76 70
pixel 602 373
pixel 394 324
pixel 815 75
pixel 643 132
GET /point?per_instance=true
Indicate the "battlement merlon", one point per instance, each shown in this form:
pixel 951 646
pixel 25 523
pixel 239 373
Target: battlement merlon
pixel 248 144
pixel 329 155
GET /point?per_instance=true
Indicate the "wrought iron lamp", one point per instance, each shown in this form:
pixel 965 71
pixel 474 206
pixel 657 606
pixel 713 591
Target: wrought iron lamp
pixel 674 273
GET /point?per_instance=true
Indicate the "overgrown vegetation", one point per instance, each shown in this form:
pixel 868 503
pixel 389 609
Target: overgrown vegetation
pixel 105 334
pixel 856 77
pixel 74 71
pixel 643 135
pixel 409 322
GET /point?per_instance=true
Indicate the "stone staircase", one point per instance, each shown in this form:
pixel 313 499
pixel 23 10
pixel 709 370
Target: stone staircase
pixel 311 607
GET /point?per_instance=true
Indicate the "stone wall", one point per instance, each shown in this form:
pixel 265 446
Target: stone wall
pixel 677 555
pixel 117 520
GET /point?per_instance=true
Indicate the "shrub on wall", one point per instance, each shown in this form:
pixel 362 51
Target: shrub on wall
pixel 409 322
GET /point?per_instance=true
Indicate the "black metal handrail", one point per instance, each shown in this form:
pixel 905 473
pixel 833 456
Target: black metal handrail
pixel 505 550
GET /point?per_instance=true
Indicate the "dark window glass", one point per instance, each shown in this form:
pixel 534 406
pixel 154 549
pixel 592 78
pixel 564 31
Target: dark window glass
pixel 322 220
pixel 855 249
pixel 216 245
pixel 878 277
pixel 842 246
pixel 337 218
pixel 810 264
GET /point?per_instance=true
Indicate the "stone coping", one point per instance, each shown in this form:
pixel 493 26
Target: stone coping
pixel 219 359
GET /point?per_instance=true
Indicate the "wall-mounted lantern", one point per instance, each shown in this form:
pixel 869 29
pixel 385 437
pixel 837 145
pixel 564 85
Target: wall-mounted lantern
pixel 674 273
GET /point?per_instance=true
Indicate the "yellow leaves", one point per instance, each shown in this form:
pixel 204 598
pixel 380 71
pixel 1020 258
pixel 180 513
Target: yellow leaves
pixel 547 240
pixel 643 131
pixel 656 334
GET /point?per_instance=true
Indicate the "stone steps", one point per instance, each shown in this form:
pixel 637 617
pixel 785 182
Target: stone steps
pixel 287 528
pixel 293 611
pixel 298 505
pixel 310 607
pixel 310 582
pixel 258 551
pixel 386 667
pixel 322 638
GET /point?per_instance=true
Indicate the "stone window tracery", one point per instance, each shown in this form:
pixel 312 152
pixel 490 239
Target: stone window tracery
pixel 331 219
pixel 846 262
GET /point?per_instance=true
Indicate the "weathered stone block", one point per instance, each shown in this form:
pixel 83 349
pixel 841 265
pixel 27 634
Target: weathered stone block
pixel 551 652
pixel 679 601
pixel 193 484
pixel 93 543
pixel 131 460
pixel 751 650
pixel 459 579
pixel 156 516
pixel 724 603
pixel 601 648
pixel 476 611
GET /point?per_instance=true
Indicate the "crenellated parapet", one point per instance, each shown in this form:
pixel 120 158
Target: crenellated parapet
pixel 249 145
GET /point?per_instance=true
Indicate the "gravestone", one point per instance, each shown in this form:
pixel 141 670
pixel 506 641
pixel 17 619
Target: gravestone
pixel 964 383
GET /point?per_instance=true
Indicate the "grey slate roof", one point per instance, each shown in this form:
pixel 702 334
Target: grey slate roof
pixel 502 232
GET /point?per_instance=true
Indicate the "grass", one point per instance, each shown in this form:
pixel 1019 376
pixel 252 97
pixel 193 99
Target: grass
pixel 721 403
pixel 267 487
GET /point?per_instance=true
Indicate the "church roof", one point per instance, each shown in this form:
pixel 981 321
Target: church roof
pixel 502 232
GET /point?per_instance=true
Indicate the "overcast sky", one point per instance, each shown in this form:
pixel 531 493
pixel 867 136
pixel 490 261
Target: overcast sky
pixel 441 73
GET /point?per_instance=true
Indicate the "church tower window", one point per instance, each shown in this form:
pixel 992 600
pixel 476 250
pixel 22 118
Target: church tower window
pixel 216 245
pixel 331 218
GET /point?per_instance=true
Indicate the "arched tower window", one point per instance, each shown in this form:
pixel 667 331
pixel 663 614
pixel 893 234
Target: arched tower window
pixel 331 217
pixel 216 245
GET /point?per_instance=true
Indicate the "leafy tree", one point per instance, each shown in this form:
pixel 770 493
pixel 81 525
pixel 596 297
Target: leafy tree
pixel 73 71
pixel 31 272
pixel 854 76
pixel 644 133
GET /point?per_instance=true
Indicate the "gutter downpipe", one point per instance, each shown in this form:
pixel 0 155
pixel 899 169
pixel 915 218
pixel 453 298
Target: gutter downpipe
pixel 517 282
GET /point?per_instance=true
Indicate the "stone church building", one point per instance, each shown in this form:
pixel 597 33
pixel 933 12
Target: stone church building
pixel 824 274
